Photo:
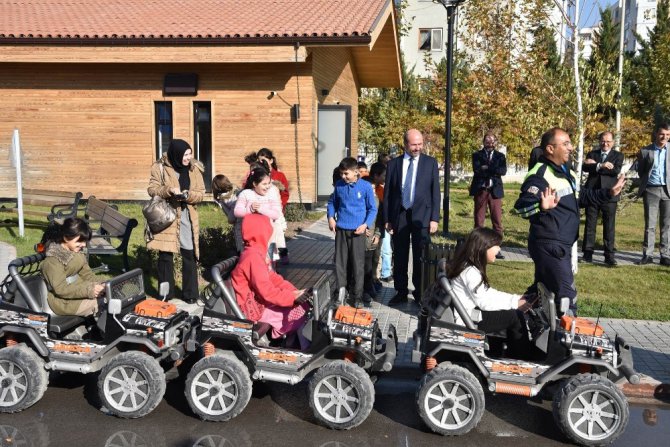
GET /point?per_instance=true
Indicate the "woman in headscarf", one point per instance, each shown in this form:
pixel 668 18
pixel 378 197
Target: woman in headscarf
pixel 177 177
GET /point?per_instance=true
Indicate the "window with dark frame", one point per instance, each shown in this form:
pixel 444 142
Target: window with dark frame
pixel 430 39
pixel 164 126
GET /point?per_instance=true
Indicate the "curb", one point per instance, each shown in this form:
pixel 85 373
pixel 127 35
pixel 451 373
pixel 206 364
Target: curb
pixel 648 388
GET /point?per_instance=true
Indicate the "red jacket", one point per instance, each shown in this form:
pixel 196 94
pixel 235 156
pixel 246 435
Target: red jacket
pixel 255 284
pixel 279 176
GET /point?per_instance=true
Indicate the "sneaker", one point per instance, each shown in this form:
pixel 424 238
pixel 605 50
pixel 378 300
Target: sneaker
pixel 646 260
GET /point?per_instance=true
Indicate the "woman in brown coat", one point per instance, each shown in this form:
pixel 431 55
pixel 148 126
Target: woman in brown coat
pixel 177 178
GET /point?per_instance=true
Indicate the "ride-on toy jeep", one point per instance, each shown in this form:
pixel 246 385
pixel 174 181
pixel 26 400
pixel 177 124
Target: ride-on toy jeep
pixel 126 342
pixel 575 359
pixel 345 343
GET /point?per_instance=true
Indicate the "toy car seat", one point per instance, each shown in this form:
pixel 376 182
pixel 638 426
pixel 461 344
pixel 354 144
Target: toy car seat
pixel 221 297
pixel 31 293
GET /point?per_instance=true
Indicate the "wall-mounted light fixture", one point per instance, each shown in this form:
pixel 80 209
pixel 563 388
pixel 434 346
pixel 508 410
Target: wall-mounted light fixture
pixel 295 112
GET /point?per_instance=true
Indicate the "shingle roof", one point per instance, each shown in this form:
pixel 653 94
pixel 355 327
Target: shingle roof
pixel 192 20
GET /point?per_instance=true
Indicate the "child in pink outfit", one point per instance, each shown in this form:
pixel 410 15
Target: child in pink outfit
pixel 260 196
pixel 263 295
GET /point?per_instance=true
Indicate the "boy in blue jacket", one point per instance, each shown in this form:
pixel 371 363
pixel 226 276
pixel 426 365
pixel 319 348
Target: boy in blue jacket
pixel 351 211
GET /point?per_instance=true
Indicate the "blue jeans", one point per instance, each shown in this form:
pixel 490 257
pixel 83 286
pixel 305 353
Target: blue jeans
pixel 387 254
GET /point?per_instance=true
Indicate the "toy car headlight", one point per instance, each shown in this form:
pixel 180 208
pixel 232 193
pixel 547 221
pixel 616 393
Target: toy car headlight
pixel 170 337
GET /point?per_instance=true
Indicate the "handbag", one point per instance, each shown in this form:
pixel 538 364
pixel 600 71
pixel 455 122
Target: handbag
pixel 158 213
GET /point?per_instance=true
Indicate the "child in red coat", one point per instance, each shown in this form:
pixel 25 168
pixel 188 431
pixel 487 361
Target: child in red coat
pixel 262 294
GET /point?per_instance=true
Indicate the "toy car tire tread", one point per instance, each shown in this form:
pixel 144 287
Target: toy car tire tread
pixel 457 387
pixel 590 398
pixel 232 387
pixel 23 378
pixel 343 383
pixel 137 371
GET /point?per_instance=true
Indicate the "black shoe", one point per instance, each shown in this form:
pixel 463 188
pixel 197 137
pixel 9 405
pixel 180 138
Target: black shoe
pixel 386 279
pixel 665 262
pixel 399 298
pixel 611 262
pixel 500 256
pixel 646 260
pixel 588 256
pixel 378 286
pixel 367 300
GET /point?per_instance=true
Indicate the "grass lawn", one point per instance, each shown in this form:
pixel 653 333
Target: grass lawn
pixel 624 292
pixel 629 223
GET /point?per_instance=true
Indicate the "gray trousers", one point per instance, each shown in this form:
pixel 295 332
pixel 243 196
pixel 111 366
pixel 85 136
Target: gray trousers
pixel 656 199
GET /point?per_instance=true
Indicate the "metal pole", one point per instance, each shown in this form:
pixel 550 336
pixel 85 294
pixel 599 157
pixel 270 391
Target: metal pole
pixel 16 146
pixel 617 134
pixel 451 10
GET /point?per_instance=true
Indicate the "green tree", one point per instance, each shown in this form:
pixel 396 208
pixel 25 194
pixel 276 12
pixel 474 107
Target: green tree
pixel 606 42
pixel 650 79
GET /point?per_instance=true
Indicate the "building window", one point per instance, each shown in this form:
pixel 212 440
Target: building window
pixel 430 39
pixel 163 113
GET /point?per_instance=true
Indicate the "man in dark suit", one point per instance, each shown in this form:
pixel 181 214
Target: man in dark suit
pixel 411 210
pixel 603 166
pixel 653 167
pixel 488 166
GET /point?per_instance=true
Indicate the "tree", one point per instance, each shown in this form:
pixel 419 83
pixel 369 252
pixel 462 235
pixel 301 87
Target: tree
pixel 650 78
pixel 606 42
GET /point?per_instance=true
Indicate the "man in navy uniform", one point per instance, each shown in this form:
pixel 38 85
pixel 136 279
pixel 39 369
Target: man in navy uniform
pixel 549 200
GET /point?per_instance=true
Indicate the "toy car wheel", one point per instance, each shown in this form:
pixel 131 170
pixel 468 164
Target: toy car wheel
pixel 341 395
pixel 590 410
pixel 450 400
pixel 218 388
pixel 23 379
pixel 131 385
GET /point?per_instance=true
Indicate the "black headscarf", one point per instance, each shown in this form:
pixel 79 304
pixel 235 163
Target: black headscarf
pixel 175 155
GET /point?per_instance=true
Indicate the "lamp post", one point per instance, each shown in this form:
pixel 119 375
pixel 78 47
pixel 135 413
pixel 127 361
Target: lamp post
pixel 450 6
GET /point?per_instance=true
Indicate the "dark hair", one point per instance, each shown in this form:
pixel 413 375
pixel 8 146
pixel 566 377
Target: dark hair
pixel 362 165
pixel 267 153
pixel 348 163
pixel 548 137
pixel 384 158
pixel 659 126
pixel 71 228
pixel 221 185
pixel 250 158
pixel 256 176
pixel 473 253
pixel 337 175
pixel 376 169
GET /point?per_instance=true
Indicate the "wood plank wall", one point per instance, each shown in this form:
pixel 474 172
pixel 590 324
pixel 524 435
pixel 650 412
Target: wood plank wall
pixel 334 71
pixel 90 127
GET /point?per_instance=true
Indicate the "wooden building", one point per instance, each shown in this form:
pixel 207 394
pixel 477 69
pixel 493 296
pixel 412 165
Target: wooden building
pixel 98 88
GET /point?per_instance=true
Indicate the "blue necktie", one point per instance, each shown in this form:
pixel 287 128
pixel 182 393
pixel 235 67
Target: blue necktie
pixel 407 187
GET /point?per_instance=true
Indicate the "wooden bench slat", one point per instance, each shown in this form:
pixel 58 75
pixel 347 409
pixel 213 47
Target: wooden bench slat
pixel 113 225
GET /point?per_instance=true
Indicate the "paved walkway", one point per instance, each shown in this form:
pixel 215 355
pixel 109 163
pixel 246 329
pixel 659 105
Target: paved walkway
pixel 7 254
pixel 311 255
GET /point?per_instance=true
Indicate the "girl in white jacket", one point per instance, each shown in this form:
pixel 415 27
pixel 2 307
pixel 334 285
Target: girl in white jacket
pixel 491 309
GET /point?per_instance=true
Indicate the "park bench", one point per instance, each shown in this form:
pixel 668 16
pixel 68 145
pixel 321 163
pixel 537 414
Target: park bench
pixel 108 224
pixel 63 204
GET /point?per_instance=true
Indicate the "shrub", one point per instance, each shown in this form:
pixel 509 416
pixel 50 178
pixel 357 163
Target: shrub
pixel 295 212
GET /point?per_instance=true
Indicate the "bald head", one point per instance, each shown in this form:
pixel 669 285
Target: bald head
pixel 413 140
